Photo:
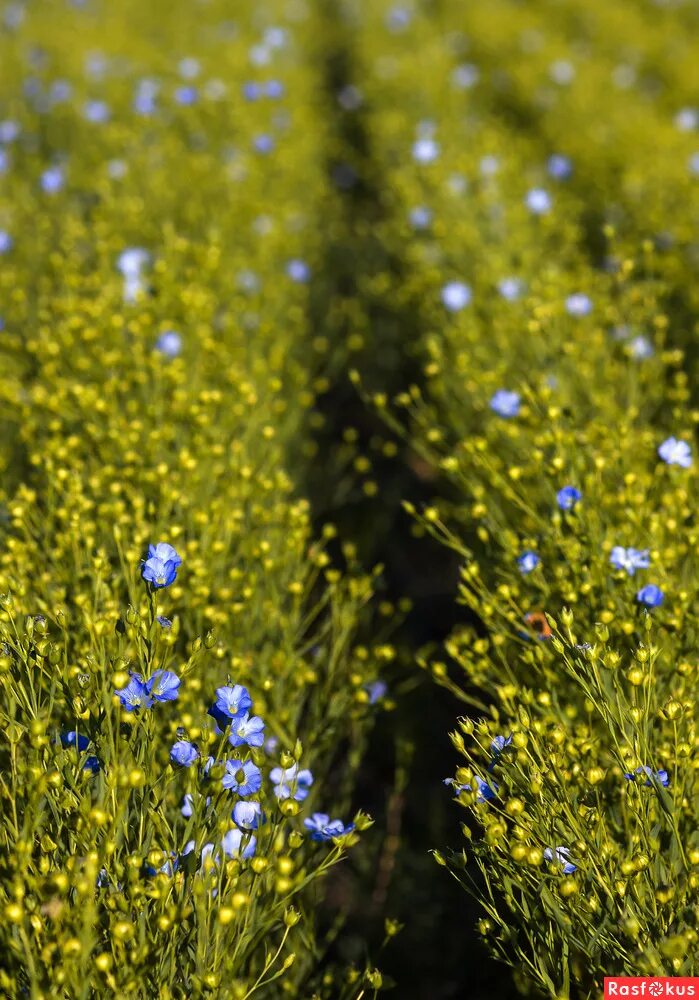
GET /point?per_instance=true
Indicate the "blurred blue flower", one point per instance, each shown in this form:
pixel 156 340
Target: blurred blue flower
pixel 376 690
pixel 131 261
pixel 676 452
pixel 456 296
pixel 538 201
pixel 75 739
pixel 420 217
pixel 91 764
pixel 465 76
pixel 242 778
pixel 559 167
pixel 169 343
pixel 246 729
pixel 186 96
pixel 187 805
pixel 629 559
pixel 263 143
pixel 323 828
pixel 652 777
pixel 568 497
pixel 510 288
pixel 290 782
pixel 52 180
pixel 425 150
pixel 650 595
pixel 506 403
pixel 184 753
pixel 247 815
pixel 578 304
pixel 298 271
pixel 164 685
pixel 96 112
pixel 6 241
pixel 528 561
pixel 233 847
pixel 561 855
pixel 163 621
pixel 135 695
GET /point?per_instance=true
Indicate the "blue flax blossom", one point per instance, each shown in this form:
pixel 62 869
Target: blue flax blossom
pixel 290 782
pixel 242 778
pixel 528 561
pixel 247 815
pixel 160 568
pixel 234 847
pixel 485 790
pixel 75 739
pixel 538 201
pixel 91 764
pixel 247 729
pixel 578 304
pixel 6 241
pixel 298 271
pixel 568 497
pixel 426 150
pixel 559 167
pixel 652 777
pixel 163 685
pixel 456 296
pixel 164 622
pixel 676 452
pixel 650 595
pixel 561 855
pixel 184 753
pixel 321 827
pixel 231 702
pixel 629 559
pixel 52 180
pixel 510 288
pixel 497 746
pixel 376 690
pixel 187 808
pixel 506 403
pixel 135 695
pixel 169 343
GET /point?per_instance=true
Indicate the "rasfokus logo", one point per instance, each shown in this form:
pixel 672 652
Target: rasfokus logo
pixel 639 986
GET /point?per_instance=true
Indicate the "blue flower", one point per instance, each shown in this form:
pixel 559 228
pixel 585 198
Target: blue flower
pixel 298 271
pixel 242 778
pixel 160 568
pixel 91 764
pixel 510 288
pixel 186 96
pixel 263 143
pixel 528 561
pixel 456 296
pixel 559 167
pixel 506 403
pixel 629 559
pixel 652 777
pixel 96 112
pixel 75 739
pixel 568 497
pixel 52 180
pixel 499 743
pixel 274 89
pixel 169 343
pixel 376 690
pixel 187 805
pixel 163 621
pixel 538 201
pixel 425 150
pixel 163 685
pixel 290 782
pixel 650 595
pixel 640 348
pixel 485 790
pixel 420 217
pixel 247 815
pixel 323 828
pixel 676 452
pixel 6 241
pixel 578 304
pixel 561 855
pixel 247 729
pixel 131 261
pixel 184 753
pixel 233 846
pixel 135 695
pixel 232 702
